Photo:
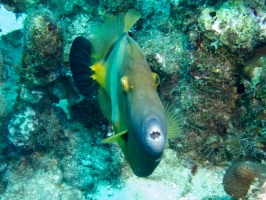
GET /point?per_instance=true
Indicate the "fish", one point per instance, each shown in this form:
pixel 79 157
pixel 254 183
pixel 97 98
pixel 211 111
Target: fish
pixel 127 91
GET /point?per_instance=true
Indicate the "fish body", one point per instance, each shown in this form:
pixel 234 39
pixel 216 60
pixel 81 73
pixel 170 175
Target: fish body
pixel 136 107
pixel 127 92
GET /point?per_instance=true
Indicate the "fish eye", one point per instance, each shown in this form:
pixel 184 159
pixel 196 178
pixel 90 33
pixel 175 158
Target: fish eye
pixel 156 80
pixel 155 135
pixel 124 83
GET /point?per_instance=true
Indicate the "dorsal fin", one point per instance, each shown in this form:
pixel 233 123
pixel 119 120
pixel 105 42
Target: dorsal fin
pixel 110 31
pixel 131 18
pixel 174 121
pixel 106 35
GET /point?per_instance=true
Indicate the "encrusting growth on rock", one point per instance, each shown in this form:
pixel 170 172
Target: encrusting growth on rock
pixel 240 176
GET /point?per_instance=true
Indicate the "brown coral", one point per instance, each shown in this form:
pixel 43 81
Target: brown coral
pixel 43 47
pixel 240 176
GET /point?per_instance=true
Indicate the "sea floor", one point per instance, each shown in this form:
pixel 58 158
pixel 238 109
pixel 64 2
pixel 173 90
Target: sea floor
pixel 171 180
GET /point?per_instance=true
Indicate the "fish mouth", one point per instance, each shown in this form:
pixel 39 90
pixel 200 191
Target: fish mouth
pixel 155 135
pixel 154 139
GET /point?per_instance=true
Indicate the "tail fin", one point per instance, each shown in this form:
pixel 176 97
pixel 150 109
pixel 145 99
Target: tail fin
pixel 80 60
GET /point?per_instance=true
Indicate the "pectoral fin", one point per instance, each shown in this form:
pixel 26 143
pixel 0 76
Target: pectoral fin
pixel 114 138
pixel 174 121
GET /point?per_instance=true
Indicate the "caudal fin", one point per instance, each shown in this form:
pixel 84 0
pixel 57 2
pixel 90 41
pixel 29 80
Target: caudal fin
pixel 80 60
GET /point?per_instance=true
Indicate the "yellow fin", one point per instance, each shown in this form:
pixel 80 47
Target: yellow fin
pixel 174 121
pixel 131 18
pixel 99 75
pixel 105 103
pixel 114 138
pixel 106 35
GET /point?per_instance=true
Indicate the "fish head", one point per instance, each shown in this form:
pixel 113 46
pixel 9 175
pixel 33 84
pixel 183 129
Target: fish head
pixel 146 136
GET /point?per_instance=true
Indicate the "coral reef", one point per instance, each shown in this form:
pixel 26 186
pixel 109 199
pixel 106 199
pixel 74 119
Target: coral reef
pixel 235 27
pixel 38 169
pixel 87 162
pixel 18 6
pixel 31 128
pixel 2 72
pixel 42 48
pixel 244 176
pixel 210 56
pixel 257 191
pixel 2 105
pixel 21 127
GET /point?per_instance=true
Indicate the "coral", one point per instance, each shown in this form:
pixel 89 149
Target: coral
pixel 5 70
pixel 42 48
pixel 88 163
pixel 202 53
pixel 254 71
pixel 19 6
pixel 2 105
pixel 235 27
pixel 8 95
pixel 240 176
pixel 206 93
pixel 2 70
pixel 31 96
pixel 64 88
pixel 35 128
pixel 22 126
pixel 257 191
pixel 161 50
pixel 39 178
